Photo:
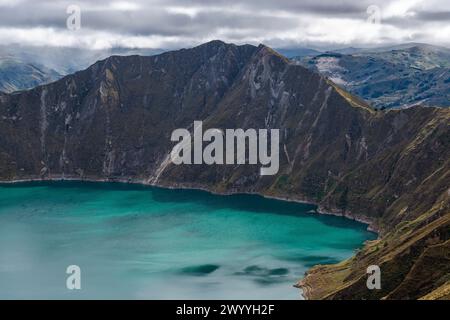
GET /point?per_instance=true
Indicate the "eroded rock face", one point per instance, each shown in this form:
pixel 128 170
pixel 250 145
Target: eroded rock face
pixel 114 121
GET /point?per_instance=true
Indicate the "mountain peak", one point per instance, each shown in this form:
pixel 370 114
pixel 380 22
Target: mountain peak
pixel 263 50
pixel 213 44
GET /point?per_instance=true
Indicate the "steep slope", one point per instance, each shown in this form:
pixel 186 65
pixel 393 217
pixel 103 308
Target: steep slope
pixel 393 78
pixel 114 121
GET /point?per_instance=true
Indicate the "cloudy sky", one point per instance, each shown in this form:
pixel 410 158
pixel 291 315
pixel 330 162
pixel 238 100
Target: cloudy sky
pixel 180 23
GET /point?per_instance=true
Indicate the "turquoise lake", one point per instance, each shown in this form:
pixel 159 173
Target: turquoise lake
pixel 137 242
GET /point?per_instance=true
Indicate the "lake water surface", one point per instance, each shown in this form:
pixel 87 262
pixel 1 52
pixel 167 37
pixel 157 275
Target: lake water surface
pixel 136 242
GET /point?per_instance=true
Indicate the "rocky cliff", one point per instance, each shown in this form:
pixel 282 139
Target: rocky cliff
pixel 390 168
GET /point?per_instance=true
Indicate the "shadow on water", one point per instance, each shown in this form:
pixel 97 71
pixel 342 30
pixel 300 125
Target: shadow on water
pixel 200 270
pixel 255 270
pixel 264 276
pixel 239 202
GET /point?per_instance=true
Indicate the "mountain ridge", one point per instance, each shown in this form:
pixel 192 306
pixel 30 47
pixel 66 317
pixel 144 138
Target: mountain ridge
pixel 113 121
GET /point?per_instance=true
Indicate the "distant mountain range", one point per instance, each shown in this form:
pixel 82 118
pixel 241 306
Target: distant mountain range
pixel 386 77
pixel 298 52
pixel 113 121
pixel 17 75
pixel 24 67
pixel 389 77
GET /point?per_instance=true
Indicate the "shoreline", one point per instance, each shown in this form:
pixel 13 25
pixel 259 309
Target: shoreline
pixel 142 182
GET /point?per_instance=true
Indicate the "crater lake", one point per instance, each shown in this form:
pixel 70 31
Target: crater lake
pixel 141 242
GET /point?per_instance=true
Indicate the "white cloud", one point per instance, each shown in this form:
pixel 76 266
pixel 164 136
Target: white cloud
pixel 9 3
pixel 401 8
pixel 176 23
pixel 191 12
pixel 124 6
pixel 85 38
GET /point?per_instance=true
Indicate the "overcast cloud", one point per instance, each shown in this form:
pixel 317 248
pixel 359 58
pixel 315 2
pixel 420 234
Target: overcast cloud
pixel 181 23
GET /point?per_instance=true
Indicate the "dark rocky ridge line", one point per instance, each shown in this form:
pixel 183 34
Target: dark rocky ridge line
pixel 113 121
